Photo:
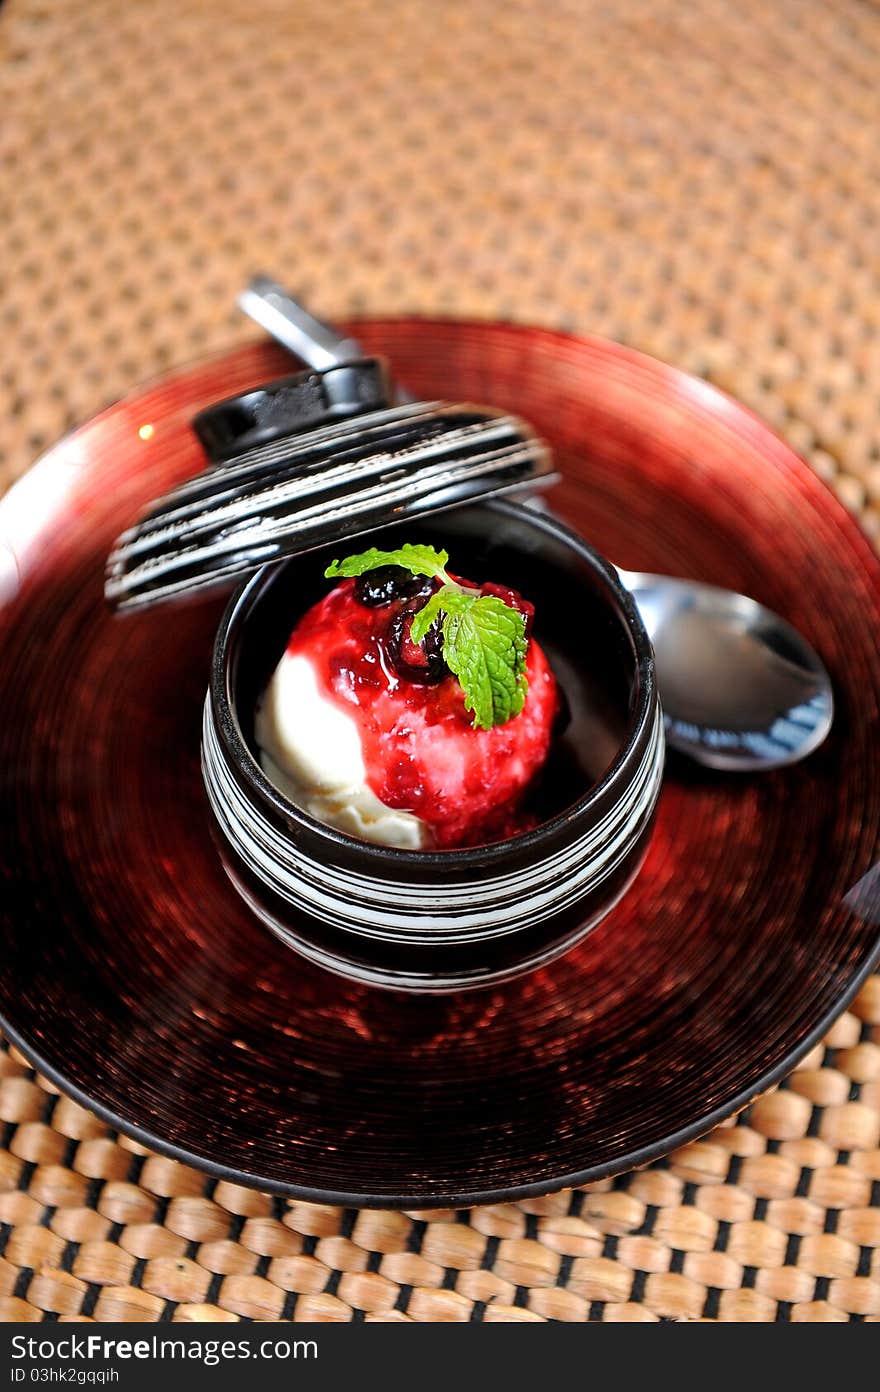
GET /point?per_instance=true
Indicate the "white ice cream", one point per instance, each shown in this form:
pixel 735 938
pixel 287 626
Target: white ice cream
pixel 311 751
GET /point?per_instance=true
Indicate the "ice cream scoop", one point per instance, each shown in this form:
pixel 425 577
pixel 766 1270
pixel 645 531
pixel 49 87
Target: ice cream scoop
pixel 369 732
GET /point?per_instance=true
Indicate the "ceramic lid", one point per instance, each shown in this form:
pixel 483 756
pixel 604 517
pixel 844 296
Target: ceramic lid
pixel 311 459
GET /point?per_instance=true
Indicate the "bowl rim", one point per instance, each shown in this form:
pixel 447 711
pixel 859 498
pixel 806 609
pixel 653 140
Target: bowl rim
pixel 259 786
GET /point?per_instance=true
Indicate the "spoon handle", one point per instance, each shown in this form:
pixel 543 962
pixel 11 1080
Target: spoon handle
pixel 320 346
pixel 291 324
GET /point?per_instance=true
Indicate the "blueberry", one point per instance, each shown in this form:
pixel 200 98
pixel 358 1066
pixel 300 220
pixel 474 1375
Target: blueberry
pixel 387 583
pixel 423 662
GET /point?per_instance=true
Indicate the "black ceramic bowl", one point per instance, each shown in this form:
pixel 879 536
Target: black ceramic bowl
pixel 445 920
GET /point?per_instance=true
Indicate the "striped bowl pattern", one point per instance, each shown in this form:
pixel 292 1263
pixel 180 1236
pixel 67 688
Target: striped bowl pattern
pixel 407 919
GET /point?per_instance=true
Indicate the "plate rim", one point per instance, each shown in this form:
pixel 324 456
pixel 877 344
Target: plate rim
pixel 787 458
pixel 631 1160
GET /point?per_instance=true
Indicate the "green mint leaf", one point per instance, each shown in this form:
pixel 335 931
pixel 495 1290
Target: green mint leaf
pixel 484 644
pixel 484 640
pixel 420 560
pixel 449 600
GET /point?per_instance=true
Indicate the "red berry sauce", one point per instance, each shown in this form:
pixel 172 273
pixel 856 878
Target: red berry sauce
pixel 421 752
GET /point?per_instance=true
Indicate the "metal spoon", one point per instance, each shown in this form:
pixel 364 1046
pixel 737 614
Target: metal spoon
pixel 741 689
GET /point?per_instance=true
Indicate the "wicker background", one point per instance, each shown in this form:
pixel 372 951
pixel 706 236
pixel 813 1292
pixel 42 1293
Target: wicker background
pixel 699 179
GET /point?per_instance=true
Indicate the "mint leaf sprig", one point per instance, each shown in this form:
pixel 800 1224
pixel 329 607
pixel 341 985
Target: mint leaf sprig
pixel 484 639
pixel 421 560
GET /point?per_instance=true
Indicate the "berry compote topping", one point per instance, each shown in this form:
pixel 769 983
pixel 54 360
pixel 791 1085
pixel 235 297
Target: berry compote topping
pixel 420 749
pixel 415 662
pixel 387 583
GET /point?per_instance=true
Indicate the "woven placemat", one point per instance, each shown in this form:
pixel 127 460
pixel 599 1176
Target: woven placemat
pixel 701 180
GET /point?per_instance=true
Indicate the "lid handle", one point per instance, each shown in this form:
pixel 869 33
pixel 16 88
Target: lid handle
pixel 292 404
pixel 290 323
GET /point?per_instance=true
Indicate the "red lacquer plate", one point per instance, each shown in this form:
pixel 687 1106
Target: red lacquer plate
pixel 135 978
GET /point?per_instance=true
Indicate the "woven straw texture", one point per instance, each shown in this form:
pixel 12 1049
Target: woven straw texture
pixel 701 180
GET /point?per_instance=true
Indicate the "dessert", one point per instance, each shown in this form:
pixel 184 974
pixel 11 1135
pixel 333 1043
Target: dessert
pixel 411 707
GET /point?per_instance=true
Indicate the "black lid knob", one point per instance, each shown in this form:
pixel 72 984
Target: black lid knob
pixel 291 404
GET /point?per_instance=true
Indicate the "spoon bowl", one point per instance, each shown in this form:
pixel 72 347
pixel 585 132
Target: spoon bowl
pixel 742 690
